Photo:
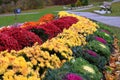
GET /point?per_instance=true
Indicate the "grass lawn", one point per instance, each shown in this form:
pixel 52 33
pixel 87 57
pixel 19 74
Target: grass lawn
pixel 116 31
pixel 115 9
pixel 8 20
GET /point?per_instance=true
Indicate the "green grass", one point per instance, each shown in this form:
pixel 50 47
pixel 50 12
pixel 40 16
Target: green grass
pixel 95 2
pixel 8 20
pixel 91 10
pixel 98 2
pixel 116 31
pixel 115 9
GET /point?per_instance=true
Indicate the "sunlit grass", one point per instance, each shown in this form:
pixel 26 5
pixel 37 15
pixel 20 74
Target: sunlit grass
pixel 8 20
pixel 115 7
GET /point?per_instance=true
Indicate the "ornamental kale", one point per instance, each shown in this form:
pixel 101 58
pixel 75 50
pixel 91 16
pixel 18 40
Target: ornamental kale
pixel 80 67
pixel 99 48
pixel 89 55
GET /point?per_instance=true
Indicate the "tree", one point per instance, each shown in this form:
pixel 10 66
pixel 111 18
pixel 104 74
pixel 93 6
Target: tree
pixel 0 2
pixel 84 2
pixel 78 3
pixel 15 1
pixel 64 2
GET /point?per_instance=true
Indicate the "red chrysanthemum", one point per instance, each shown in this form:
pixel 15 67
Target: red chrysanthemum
pixel 24 37
pixel 8 43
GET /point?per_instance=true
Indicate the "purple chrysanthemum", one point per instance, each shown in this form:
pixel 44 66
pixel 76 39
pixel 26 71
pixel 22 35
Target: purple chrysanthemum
pixel 100 39
pixel 72 76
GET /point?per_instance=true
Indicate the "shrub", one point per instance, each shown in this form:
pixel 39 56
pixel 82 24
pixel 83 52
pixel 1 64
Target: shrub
pixel 7 7
pixel 8 43
pixel 24 37
pixel 84 2
pixel 78 3
pixel 28 4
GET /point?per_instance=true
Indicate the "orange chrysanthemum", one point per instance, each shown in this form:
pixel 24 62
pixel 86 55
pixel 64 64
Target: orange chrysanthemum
pixel 46 18
pixel 32 24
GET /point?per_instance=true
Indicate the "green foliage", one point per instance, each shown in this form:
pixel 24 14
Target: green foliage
pixel 105 36
pixel 90 37
pixel 73 5
pixel 41 33
pixel 100 48
pixel 8 20
pixel 78 66
pixel 84 2
pixel 59 74
pixel 97 60
pixel 78 3
pixel 81 66
pixel 115 9
pixel 116 31
pixel 49 2
pixel 105 27
pixel 30 4
pixel 97 3
pixel 0 2
pixel 77 51
pixel 10 5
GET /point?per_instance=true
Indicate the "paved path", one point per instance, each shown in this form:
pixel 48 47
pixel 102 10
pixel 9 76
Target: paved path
pixel 90 6
pixel 109 20
pixel 12 14
pixel 112 21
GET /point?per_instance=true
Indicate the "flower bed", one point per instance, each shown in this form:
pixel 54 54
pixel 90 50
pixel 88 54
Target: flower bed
pixel 72 49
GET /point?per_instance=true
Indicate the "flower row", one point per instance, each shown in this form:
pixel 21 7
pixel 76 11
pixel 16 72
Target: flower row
pixel 17 38
pixel 72 54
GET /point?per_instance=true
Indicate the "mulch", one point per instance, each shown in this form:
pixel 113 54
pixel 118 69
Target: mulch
pixel 112 71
